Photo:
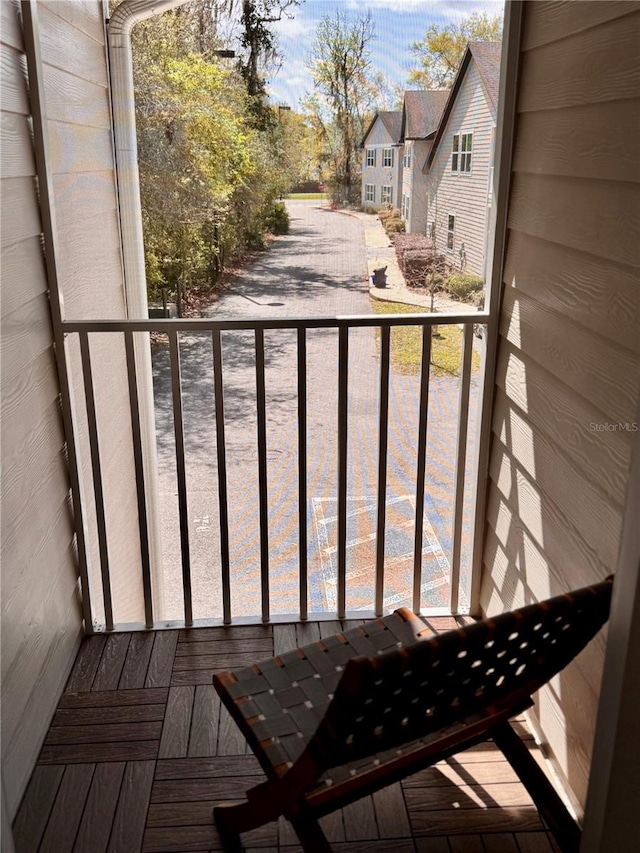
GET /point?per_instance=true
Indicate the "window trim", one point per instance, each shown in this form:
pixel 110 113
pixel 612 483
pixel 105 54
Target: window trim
pixel 371 187
pixel 387 158
pixel 388 200
pixel 461 156
pixel 451 232
pixel 370 154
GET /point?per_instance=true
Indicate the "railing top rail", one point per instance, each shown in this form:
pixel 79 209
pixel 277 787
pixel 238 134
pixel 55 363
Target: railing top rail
pixel 207 324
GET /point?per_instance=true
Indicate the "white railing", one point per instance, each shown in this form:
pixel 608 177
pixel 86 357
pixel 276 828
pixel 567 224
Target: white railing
pixel 98 588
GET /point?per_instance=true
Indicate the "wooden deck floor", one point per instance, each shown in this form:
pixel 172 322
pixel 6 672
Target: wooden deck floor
pixel 140 749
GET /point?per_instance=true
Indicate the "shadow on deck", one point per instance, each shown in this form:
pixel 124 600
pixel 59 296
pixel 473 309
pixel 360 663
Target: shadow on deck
pixel 140 749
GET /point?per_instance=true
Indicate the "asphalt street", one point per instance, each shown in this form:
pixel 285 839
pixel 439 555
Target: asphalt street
pixel 318 269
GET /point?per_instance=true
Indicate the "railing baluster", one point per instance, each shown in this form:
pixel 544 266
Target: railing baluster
pixel 262 473
pixel 222 477
pixel 173 329
pixel 178 427
pixel 302 469
pixel 134 406
pixel 343 386
pixel 385 337
pixel 421 467
pixel 461 453
pixel 98 490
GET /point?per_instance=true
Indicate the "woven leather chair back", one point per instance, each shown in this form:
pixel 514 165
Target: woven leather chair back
pixel 413 691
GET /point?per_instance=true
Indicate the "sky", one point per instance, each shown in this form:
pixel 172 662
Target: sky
pixel 398 23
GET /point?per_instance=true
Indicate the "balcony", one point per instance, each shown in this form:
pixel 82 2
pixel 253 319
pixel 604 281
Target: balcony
pixel 301 468
pixel 561 498
pixel 140 750
pixel 139 727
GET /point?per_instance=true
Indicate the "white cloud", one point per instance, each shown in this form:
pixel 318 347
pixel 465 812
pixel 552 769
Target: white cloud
pixel 458 10
pixel 294 28
pixel 450 9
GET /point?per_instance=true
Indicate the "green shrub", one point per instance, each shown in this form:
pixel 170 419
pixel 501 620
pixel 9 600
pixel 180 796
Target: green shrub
pixel 388 213
pixel 435 281
pixel 394 225
pixel 477 299
pixel 463 285
pixel 276 219
pixel 254 238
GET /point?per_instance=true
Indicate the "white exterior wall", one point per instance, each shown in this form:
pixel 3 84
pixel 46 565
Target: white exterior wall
pixel 41 617
pixel 566 383
pixel 415 185
pixel 378 139
pixel 90 266
pixel 465 195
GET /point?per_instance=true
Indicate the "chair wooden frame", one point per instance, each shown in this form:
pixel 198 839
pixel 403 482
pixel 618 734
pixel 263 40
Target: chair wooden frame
pixel 330 724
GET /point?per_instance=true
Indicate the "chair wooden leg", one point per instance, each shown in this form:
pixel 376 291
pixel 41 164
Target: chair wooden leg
pixel 553 810
pixel 310 833
pixel 227 826
pixel 234 818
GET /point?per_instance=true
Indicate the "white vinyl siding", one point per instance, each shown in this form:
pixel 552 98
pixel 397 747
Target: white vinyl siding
pixel 370 193
pixel 40 611
pixel 90 260
pixel 41 622
pixel 465 193
pixel 378 140
pixel 569 341
pixel 414 186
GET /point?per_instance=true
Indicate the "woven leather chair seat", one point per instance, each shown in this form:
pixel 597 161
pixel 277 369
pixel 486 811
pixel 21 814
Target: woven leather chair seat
pixel 278 703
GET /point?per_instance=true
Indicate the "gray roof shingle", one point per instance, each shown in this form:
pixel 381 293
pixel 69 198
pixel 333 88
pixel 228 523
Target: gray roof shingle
pixel 487 56
pixel 422 111
pixel 392 120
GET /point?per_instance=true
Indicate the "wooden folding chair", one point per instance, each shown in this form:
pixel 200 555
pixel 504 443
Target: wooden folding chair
pixel 341 718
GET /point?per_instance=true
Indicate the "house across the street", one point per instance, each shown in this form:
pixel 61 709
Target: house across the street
pixel 420 119
pixel 382 160
pixel 459 165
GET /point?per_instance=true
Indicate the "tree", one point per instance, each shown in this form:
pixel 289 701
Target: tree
pixel 442 48
pixel 208 174
pixel 345 91
pixel 294 144
pixel 258 38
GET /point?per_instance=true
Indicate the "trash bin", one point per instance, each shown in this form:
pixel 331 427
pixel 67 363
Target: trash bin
pixel 379 277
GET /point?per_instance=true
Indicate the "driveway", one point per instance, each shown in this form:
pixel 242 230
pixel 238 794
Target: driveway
pixel 319 269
